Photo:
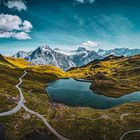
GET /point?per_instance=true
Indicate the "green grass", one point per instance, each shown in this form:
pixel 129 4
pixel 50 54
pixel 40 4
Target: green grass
pixel 73 122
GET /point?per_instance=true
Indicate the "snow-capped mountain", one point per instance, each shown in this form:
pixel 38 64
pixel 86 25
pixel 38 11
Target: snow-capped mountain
pixel 20 54
pixel 118 52
pixel 82 56
pixel 45 55
pixel 65 60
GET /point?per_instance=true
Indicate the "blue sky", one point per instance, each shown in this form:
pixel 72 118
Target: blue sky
pixel 66 24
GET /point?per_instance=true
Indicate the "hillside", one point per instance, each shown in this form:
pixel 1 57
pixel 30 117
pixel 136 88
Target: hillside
pixel 11 69
pixel 113 76
pixel 74 123
pixel 21 63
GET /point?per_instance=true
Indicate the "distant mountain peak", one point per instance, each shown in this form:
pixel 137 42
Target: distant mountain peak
pixel 100 50
pixel 56 49
pixel 44 47
pixel 79 57
pixel 20 54
pixel 81 49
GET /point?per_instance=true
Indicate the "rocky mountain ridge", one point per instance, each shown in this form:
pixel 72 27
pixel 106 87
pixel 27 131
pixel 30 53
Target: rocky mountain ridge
pixel 76 58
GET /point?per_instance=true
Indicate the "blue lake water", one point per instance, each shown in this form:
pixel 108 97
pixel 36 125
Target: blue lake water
pixel 77 93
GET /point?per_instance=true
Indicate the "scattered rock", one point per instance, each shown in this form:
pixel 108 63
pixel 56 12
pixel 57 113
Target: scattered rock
pixel 26 116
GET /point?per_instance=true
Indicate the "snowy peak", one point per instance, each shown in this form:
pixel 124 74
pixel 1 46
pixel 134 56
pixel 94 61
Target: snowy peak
pixel 118 52
pixel 81 49
pixel 20 54
pixel 45 55
pixel 65 60
pixel 56 49
pixel 45 48
pixel 82 56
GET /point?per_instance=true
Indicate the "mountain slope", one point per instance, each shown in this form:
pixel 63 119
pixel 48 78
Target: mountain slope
pixel 81 56
pixel 13 62
pixel 17 62
pixel 4 61
pixel 113 76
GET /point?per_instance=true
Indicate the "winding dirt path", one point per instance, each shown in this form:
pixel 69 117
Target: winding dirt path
pixel 129 132
pixel 21 105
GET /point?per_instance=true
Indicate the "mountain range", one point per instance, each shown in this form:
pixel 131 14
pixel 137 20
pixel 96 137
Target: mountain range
pixel 76 58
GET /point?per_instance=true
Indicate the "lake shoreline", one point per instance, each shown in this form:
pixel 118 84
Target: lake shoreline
pixel 77 93
pixel 82 80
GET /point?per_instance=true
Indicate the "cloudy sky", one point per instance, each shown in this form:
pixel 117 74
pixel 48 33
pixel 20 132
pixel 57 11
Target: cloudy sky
pixel 66 24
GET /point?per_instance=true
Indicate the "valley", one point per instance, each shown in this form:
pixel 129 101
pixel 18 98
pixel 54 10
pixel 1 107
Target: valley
pixel 75 123
pixel 69 70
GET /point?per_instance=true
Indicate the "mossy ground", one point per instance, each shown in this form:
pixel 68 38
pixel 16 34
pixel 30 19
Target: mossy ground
pixel 73 122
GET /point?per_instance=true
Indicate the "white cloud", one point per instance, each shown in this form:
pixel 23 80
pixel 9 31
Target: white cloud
pixel 21 35
pixel 9 22
pixel 16 35
pixel 85 1
pixel 5 34
pixel 11 26
pixel 27 26
pixel 90 44
pixel 17 4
